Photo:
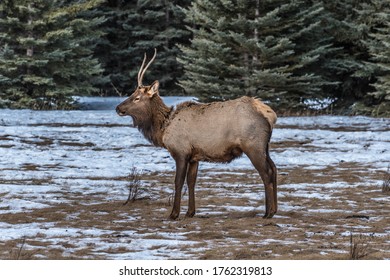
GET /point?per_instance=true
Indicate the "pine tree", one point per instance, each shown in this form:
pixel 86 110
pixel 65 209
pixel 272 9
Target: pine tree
pixel 112 48
pixel 360 29
pixel 136 27
pixel 378 44
pixel 45 53
pixel 348 65
pixel 271 49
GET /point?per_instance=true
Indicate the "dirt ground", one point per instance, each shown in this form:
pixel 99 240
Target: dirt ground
pixel 315 221
pixel 64 178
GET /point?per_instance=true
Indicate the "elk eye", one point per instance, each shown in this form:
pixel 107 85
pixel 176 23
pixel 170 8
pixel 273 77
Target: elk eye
pixel 137 99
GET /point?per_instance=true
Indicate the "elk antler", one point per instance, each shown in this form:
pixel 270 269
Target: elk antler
pixel 142 70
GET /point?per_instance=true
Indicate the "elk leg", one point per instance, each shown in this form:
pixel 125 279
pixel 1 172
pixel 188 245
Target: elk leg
pixel 262 164
pixel 191 181
pixel 181 170
pixel 274 181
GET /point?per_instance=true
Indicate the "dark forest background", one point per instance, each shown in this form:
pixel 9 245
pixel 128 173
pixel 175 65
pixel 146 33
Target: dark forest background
pixel 298 55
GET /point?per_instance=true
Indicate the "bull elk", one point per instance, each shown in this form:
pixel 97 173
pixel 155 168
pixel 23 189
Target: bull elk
pixel 212 132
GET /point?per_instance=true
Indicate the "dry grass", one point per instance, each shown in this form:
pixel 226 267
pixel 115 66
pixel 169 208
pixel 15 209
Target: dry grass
pixel 359 247
pixel 17 250
pixel 228 223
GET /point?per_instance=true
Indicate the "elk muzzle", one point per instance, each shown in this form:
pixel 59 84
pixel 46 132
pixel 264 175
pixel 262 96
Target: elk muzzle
pixel 120 110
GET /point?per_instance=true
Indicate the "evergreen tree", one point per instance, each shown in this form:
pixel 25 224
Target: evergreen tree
pixel 112 48
pixel 45 52
pixel 348 66
pixel 272 49
pixel 136 27
pixel 360 29
pixel 377 15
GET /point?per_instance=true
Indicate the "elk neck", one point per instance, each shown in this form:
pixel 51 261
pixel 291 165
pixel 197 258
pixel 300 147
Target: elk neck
pixel 158 118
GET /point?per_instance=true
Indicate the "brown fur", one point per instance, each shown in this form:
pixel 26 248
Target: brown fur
pixel 214 132
pixel 150 120
pixel 266 111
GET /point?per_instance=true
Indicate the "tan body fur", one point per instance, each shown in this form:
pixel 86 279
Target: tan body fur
pixel 214 132
pixel 219 131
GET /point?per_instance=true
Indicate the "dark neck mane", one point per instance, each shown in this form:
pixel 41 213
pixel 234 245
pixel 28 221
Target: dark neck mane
pixel 154 123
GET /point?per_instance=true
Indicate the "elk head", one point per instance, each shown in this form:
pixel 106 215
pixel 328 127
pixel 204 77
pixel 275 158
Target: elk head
pixel 138 104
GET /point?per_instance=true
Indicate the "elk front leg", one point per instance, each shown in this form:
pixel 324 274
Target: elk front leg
pixel 181 170
pixel 191 181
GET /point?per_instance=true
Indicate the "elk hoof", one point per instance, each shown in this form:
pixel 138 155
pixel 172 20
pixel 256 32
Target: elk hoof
pixel 269 215
pixel 190 214
pixel 173 216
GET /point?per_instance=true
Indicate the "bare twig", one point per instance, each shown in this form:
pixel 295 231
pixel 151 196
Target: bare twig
pixel 21 248
pixel 386 181
pixel 117 91
pixel 358 248
pixel 134 185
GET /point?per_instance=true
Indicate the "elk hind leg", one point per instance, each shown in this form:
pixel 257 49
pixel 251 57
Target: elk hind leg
pixel 181 170
pixel 274 181
pixel 191 181
pixel 267 171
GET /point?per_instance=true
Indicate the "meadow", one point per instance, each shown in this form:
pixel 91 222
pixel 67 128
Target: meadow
pixel 65 177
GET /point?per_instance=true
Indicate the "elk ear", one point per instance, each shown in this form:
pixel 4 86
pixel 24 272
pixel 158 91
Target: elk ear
pixel 153 89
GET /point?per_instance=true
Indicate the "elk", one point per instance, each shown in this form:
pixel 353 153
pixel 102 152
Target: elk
pixel 213 132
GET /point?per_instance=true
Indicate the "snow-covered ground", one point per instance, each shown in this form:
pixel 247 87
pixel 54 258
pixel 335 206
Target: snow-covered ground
pixel 99 141
pixel 43 152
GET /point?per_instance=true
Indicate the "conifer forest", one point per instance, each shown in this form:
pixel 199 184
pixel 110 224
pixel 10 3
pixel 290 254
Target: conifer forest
pixel 85 178
pixel 298 55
